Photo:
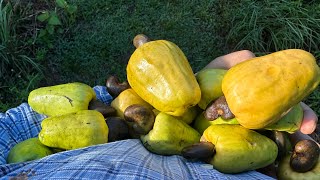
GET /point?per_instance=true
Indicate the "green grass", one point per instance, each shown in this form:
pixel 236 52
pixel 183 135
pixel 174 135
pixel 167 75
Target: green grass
pixel 269 26
pixel 18 71
pixel 99 43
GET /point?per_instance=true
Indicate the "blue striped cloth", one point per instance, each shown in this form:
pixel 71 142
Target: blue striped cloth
pixel 126 159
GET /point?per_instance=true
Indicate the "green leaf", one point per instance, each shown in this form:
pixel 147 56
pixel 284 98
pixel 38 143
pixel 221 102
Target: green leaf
pixel 44 16
pixel 71 9
pixel 29 41
pixel 54 20
pixel 42 33
pixel 62 3
pixel 50 45
pixel 50 29
pixel 60 30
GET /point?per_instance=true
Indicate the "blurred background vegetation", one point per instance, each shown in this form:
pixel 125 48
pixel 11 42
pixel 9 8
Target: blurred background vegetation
pixel 48 42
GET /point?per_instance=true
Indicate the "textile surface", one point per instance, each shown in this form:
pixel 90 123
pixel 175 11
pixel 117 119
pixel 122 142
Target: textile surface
pixel 126 159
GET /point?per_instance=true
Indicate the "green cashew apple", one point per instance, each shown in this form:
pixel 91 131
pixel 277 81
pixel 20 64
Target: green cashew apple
pixel 75 130
pixel 285 172
pixel 238 149
pixel 169 135
pixel 188 117
pixel 290 122
pixel 210 81
pixel 28 150
pixel 201 123
pixel 61 99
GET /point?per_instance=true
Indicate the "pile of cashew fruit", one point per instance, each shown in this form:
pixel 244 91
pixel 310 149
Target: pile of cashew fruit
pixel 237 120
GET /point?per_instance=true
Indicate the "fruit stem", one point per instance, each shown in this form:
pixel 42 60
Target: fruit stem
pixel 140 39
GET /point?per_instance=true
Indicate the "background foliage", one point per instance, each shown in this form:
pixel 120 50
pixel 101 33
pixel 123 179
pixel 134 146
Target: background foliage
pixel 47 42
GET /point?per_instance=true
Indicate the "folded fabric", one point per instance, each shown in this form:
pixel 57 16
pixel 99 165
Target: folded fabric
pixel 126 159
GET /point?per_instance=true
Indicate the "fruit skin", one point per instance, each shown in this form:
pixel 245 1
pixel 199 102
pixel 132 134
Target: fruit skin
pixel 61 99
pixel 104 109
pixel 159 72
pixel 261 90
pixel 210 81
pixel 74 130
pixel 282 140
pixel 290 122
pixel 125 99
pixel 201 123
pixel 285 172
pixel 305 155
pixel 169 135
pixel 190 114
pixel 115 87
pixel 118 129
pixel 28 150
pixel 239 149
pixel 188 117
pixel 140 118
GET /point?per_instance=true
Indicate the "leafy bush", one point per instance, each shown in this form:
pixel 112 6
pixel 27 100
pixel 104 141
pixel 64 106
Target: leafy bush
pixel 23 50
pixel 18 71
pixel 55 20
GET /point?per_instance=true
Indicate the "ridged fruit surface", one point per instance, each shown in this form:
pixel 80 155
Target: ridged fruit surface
pixel 261 90
pixel 159 72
